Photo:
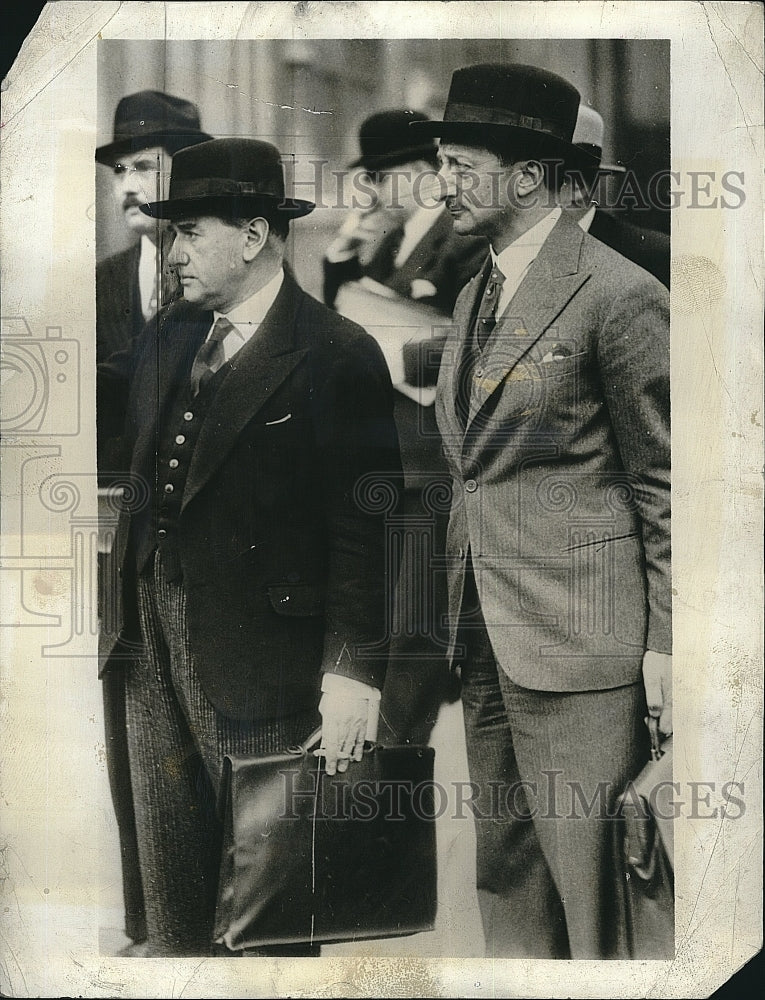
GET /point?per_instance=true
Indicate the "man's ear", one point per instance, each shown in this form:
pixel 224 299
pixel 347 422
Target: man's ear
pixel 532 177
pixel 256 234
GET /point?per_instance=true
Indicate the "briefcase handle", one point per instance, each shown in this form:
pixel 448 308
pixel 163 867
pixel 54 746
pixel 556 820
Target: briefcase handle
pixel 315 739
pixel 310 741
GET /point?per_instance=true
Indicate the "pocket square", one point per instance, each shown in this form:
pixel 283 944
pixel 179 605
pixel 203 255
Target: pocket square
pixel 281 420
pixel 559 352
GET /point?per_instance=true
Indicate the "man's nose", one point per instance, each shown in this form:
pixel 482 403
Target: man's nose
pixel 176 257
pixel 445 183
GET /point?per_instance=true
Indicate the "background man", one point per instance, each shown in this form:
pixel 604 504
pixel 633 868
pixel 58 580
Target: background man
pixel 254 411
pixel 553 403
pixel 647 247
pixel 149 127
pixel 406 242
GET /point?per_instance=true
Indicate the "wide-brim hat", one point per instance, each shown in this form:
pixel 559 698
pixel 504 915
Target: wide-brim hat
pixel 230 178
pixel 526 106
pixel 385 140
pixel 151 118
pixel 588 136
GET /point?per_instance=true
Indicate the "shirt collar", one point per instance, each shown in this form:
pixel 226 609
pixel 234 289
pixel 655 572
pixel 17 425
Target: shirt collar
pixel 586 221
pixel 252 311
pixel 528 244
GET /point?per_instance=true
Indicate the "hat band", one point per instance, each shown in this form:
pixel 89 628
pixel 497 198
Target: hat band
pixel 481 115
pixel 214 187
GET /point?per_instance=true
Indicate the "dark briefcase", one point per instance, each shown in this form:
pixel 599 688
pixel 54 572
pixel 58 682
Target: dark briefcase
pixel 309 857
pixel 644 859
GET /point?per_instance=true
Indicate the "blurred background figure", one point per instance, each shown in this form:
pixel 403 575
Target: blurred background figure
pixel 131 285
pixel 149 127
pixel 646 247
pixel 404 241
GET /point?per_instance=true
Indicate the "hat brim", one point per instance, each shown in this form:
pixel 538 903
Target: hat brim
pixel 228 207
pixel 172 140
pixel 422 151
pixel 476 133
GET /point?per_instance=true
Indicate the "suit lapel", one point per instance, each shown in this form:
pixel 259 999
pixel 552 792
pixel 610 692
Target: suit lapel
pixel 257 370
pixel 550 283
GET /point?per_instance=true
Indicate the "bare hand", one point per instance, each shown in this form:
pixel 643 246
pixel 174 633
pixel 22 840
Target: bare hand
pixel 657 679
pixel 343 729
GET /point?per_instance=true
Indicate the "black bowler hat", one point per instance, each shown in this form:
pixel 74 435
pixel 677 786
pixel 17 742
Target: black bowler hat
pixel 512 101
pixel 385 140
pixel 151 118
pixel 230 178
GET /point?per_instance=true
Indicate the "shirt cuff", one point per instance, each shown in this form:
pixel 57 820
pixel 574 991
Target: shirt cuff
pixel 341 684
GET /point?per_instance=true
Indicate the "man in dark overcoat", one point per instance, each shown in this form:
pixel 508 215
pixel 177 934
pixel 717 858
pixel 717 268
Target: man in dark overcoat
pixel 260 429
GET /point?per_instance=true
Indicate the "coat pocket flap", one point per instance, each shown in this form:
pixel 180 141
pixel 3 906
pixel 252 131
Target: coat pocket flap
pixel 297 599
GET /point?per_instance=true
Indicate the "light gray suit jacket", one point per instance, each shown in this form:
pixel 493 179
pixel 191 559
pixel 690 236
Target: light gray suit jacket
pixel 562 474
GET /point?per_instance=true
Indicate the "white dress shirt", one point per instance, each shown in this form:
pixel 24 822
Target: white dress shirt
pixel 515 260
pixel 247 316
pixel 148 277
pixel 586 221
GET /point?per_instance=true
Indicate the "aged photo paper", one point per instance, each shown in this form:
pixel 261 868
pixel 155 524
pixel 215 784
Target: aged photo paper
pixel 680 86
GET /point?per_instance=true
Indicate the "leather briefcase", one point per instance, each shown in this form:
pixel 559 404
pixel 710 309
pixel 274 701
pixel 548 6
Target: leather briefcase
pixel 309 857
pixel 644 861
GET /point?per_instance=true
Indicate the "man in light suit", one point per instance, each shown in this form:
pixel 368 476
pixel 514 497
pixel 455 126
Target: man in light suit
pixel 648 248
pixel 149 127
pixel 256 559
pixel 553 405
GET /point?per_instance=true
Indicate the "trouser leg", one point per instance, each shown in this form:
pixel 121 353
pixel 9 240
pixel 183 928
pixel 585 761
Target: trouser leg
pixel 521 909
pixel 579 749
pixel 177 740
pixel 118 769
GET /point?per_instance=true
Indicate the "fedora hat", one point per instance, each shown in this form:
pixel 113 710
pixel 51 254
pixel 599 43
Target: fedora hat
pixel 151 118
pixel 230 178
pixel 385 140
pixel 588 136
pixel 514 102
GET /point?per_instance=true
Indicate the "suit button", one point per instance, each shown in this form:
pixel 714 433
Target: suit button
pixel 162 533
pixel 471 486
pixel 173 463
pixel 168 487
pixel 479 373
pixel 188 415
pixel 180 439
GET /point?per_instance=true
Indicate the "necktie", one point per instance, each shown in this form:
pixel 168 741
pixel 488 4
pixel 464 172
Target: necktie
pixel 487 311
pixel 210 357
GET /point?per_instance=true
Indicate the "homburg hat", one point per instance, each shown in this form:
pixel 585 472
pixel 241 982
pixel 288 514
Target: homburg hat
pixel 151 118
pixel 532 109
pixel 229 178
